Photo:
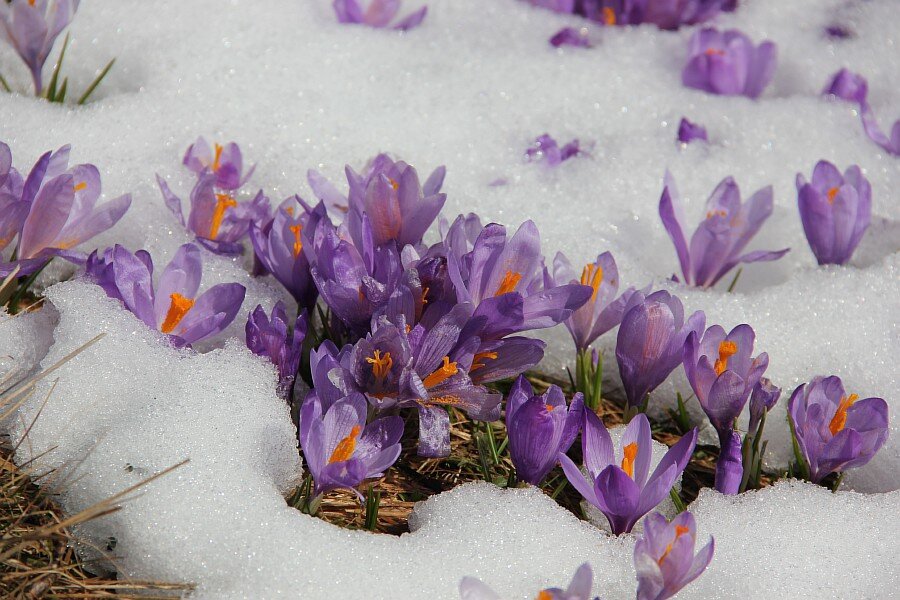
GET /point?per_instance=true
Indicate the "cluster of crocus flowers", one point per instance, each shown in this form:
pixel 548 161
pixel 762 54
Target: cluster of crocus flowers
pixel 723 373
pixel 835 210
pixel 665 15
pixel 718 242
pixel 664 556
pixel 218 220
pixel 174 305
pixel 728 63
pixel 834 431
pixel 31 28
pixel 546 149
pixel 578 589
pixel 853 87
pixel 378 14
pixel 619 483
pixel 540 428
pixel 272 338
pixel 51 211
pixel 341 449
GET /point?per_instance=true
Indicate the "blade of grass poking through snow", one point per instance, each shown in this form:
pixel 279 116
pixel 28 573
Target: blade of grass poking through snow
pixel 54 79
pixel 7 287
pixel 373 501
pixel 87 93
pixel 677 501
pixel 13 304
pixel 5 85
pixel 735 280
pixel 61 97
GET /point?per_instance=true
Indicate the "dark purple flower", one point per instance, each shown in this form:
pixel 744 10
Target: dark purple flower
pixel 331 374
pixel 603 310
pixel 838 32
pixel 622 489
pixel 835 431
pixel 730 464
pixel 340 449
pixel 835 211
pixel 280 245
pixel 720 238
pixel 651 341
pixel 689 131
pixel 664 556
pixel 217 219
pixel 579 589
pixel 31 27
pixel 173 306
pixel 379 14
pixel 226 163
pixel 763 398
pixel 728 63
pixel 540 428
pixel 570 36
pixel 271 338
pixel 847 85
pixel 545 148
pixel 56 210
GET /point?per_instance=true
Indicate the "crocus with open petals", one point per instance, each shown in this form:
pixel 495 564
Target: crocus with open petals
pixel 225 162
pixel 540 428
pixel 835 211
pixel 31 28
pixel 728 63
pixel 835 431
pixel 579 588
pixel 546 149
pixel 625 490
pixel 664 556
pixel 379 14
pixel 173 306
pixel 272 339
pixel 650 343
pixel 721 237
pixel 340 449
pixel 689 131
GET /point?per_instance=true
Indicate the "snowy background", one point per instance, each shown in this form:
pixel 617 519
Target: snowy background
pixel 471 88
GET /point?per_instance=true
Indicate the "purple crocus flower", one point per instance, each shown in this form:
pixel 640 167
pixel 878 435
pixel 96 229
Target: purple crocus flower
pixel 218 220
pixel 650 343
pixel 763 398
pixel 547 149
pixel 173 305
pixel 379 14
pixel 560 6
pixel 718 241
pixel 226 163
pixel 689 131
pixel 540 428
pixel 31 28
pixel 891 144
pixel 835 431
pixel 570 36
pixel 622 489
pixel 670 14
pixel 835 211
pixel 270 338
pixel 847 85
pixel 56 210
pixel 579 589
pixel 730 464
pixel 340 449
pixel 664 556
pixel 603 310
pixel 728 63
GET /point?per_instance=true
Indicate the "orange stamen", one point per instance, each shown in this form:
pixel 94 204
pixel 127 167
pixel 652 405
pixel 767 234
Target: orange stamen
pixel 425 291
pixel 179 307
pixel 630 452
pixel 714 52
pixel 713 213
pixel 80 186
pixel 394 184
pixel 218 157
pixel 609 16
pixel 839 420
pixel 298 244
pixel 441 374
pixel 831 194
pixel 592 275
pixel 479 358
pixel 345 448
pixel 544 595
pixel 727 349
pixel 381 365
pixel 509 283
pixel 223 203
pixel 680 530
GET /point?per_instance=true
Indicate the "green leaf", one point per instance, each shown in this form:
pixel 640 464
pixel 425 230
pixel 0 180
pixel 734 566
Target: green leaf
pixel 61 96
pixel 51 89
pixel 4 84
pixel 87 93
pixel 677 501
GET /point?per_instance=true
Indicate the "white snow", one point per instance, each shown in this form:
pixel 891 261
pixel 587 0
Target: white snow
pixel 470 89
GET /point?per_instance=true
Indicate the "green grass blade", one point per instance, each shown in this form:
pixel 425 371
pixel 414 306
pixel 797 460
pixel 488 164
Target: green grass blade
pixel 87 93
pixel 61 96
pixel 5 85
pixel 54 79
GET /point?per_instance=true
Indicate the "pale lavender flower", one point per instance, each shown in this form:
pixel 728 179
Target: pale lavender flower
pixel 664 556
pixel 579 588
pixel 728 63
pixel 379 14
pixel 31 27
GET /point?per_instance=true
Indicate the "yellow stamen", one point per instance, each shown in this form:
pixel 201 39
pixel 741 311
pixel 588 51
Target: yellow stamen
pixel 345 448
pixel 394 184
pixel 218 157
pixel 592 275
pixel 80 186
pixel 680 530
pixel 381 365
pixel 441 374
pixel 630 452
pixel 609 16
pixel 727 349
pixel 831 194
pixel 179 307
pixel 479 358
pixel 223 203
pixel 840 416
pixel 298 244
pixel 509 283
